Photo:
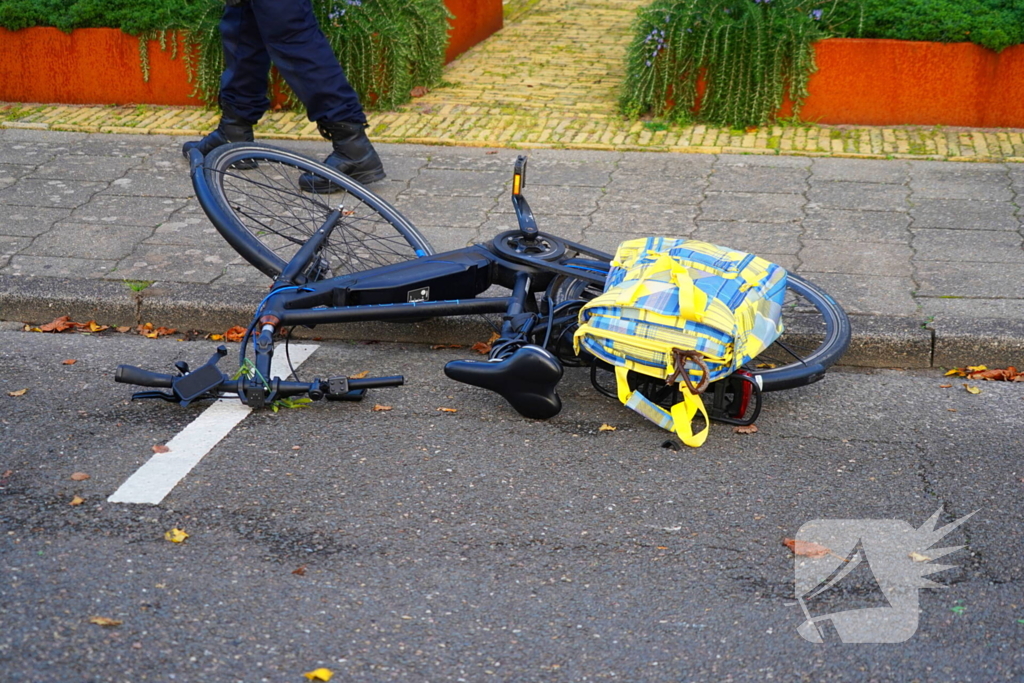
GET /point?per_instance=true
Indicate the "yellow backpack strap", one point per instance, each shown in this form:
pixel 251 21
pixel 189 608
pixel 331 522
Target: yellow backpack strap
pixel 679 420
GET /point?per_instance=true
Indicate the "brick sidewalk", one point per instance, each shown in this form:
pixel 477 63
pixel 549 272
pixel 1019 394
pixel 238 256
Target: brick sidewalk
pixel 549 79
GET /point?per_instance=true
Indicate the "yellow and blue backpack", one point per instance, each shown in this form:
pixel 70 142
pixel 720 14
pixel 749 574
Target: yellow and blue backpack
pixel 684 311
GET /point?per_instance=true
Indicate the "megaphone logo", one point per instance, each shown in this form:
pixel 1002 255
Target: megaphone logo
pixel 864 587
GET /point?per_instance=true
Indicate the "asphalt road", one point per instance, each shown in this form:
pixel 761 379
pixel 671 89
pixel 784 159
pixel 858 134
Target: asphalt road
pixel 415 544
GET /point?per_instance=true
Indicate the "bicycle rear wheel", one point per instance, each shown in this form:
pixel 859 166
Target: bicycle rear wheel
pixel 816 330
pixel 267 217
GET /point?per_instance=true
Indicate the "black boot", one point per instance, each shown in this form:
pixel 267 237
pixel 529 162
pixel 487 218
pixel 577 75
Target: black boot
pixel 231 128
pixel 353 155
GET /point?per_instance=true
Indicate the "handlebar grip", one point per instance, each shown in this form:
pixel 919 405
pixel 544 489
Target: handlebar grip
pixel 375 382
pixel 129 374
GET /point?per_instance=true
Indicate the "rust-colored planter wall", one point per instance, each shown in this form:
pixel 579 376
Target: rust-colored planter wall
pixel 101 66
pixel 887 82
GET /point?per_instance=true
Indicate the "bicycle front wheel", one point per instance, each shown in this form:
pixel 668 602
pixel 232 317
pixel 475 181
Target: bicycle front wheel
pixel 266 216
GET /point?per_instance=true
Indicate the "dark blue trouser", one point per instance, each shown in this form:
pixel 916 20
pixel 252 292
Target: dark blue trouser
pixel 257 32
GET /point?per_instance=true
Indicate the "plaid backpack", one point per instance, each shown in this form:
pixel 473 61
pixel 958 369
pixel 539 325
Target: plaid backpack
pixel 684 311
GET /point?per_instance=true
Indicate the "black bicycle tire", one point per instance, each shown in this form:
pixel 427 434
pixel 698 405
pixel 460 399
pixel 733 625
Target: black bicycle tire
pixel 811 368
pixel 218 165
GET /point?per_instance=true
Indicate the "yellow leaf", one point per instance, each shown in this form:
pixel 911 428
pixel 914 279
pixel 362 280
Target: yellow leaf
pixel 216 337
pixel 360 375
pixel 19 392
pixel 378 408
pixel 448 410
pixel 105 621
pixel 972 390
pixel 606 428
pixel 945 386
pixel 320 674
pixel 175 535
pixel 918 557
pixel 954 371
pixel 976 368
pixel 77 500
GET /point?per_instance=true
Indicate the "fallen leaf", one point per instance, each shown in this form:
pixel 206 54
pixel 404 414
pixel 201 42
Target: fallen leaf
pixel 482 348
pixel 945 386
pixel 296 448
pixel 806 548
pixel 954 371
pixel 300 570
pixel 661 547
pixel 175 535
pixel 235 334
pixel 19 392
pixel 438 347
pixel 419 91
pixel 918 557
pixel 751 129
pixel 320 674
pixel 491 151
pixel 972 390
pixel 360 375
pixel 378 408
pixel 606 428
pixel 79 476
pixel 58 324
pixel 160 448
pixel 124 329
pixel 448 410
pixel 8 473
pixel 77 500
pixel 105 621
pixel 952 410
pixel 96 327
pixel 216 337
pixel 745 429
pixel 766 365
pixel 69 361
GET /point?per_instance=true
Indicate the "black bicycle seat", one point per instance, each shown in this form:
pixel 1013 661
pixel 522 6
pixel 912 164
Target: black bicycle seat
pixel 526 379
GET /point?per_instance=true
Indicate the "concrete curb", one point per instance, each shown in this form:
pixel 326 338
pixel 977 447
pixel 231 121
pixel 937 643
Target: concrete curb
pixel 878 341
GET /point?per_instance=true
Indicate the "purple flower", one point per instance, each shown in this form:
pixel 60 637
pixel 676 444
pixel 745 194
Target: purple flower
pixel 816 14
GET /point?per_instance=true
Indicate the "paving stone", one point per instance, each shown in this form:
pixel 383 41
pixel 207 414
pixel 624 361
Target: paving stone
pixel 567 173
pixel 55 266
pixel 834 194
pixel 49 193
pixel 29 221
pixel 989 246
pixel 861 170
pixel 960 184
pixel 756 238
pixel 634 188
pixel 459 183
pixel 969 279
pixel 737 177
pixel 452 212
pixel 127 210
pixel 754 207
pixel 655 219
pixel 856 258
pixel 875 295
pixel 167 183
pixel 10 173
pixel 92 168
pixel 1001 309
pixel 964 214
pixel 401 168
pixel 11 245
pixel 243 274
pixel 448 239
pixel 647 164
pixel 89 241
pixel 171 263
pixel 862 226
pixel 187 230
pixel 25 154
pixel 551 200
pixel 113 146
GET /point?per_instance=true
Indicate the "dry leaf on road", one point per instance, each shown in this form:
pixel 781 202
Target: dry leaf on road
pixel 972 390
pixel 606 428
pixel 175 535
pixel 19 392
pixel 320 674
pixel 105 621
pixel 918 557
pixel 360 375
pixel 69 361
pixel 806 548
pixel 77 500
pixel 379 408
pixel 300 570
pixel 448 410
pixel 746 429
pixel 79 476
pixel 160 448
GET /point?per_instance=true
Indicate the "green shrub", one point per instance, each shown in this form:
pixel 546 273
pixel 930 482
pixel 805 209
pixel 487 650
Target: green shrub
pixel 995 24
pixel 748 53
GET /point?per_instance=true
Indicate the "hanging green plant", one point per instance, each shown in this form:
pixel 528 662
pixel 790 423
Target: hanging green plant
pixel 747 54
pixel 387 47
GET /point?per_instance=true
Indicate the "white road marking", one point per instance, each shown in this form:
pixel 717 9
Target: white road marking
pixel 162 472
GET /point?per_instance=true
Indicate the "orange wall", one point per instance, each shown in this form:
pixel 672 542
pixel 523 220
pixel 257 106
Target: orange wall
pixel 101 66
pixel 887 82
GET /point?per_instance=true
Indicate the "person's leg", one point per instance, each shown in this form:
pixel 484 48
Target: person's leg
pixel 243 85
pixel 304 58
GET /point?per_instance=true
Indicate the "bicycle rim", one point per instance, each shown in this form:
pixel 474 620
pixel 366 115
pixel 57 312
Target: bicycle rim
pixel 268 217
pixel 817 332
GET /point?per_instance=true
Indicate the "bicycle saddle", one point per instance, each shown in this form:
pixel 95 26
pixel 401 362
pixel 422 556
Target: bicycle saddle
pixel 526 379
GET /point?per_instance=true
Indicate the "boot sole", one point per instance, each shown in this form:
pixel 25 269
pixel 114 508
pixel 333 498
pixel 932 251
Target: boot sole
pixel 311 183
